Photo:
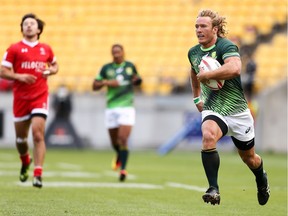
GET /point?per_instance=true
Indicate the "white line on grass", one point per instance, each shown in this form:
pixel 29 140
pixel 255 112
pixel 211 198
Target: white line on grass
pixel 49 174
pixel 72 174
pixel 8 173
pixel 94 185
pixel 69 166
pixel 184 186
pixel 113 185
pixel 9 165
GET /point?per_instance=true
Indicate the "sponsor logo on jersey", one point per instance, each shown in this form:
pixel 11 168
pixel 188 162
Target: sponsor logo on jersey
pixel 129 71
pixel 119 70
pixel 33 65
pixel 42 51
pixel 110 73
pixel 24 50
pixel 120 77
pixel 214 55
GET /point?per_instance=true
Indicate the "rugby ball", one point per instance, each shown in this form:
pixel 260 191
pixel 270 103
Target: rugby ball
pixel 208 64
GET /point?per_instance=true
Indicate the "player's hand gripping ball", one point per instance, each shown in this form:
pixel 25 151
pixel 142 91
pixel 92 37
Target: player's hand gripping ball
pixel 208 64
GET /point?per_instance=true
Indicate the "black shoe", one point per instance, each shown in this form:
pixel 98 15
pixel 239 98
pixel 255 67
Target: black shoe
pixel 24 172
pixel 123 175
pixel 37 181
pixel 212 195
pixel 263 193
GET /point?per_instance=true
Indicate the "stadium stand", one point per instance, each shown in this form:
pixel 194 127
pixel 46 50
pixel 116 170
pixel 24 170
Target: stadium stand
pixel 156 36
pixel 271 67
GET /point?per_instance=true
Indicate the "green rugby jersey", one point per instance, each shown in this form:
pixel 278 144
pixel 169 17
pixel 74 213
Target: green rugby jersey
pixel 230 99
pixel 123 95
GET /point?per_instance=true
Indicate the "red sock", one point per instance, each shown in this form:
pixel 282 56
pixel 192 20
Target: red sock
pixel 25 159
pixel 38 171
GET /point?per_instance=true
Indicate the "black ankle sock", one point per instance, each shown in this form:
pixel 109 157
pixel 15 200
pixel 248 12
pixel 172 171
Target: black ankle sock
pixel 211 163
pixel 123 153
pixel 258 172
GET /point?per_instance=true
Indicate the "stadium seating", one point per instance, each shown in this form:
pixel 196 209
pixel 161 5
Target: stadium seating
pixel 156 35
pixel 270 61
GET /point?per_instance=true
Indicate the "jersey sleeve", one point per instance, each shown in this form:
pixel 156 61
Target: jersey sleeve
pixel 135 71
pixel 190 59
pixel 189 56
pixel 52 58
pixel 8 58
pixel 229 49
pixel 101 75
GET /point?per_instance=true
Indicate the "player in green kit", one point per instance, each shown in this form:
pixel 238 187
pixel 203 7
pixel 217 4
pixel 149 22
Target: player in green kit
pixel 119 76
pixel 225 111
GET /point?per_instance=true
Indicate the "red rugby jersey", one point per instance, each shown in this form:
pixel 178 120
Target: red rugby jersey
pixel 30 58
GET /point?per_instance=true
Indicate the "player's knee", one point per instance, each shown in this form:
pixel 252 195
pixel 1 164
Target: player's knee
pixel 209 138
pixel 122 141
pixel 38 137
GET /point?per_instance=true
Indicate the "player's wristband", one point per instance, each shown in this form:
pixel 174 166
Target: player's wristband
pixel 197 100
pixel 47 72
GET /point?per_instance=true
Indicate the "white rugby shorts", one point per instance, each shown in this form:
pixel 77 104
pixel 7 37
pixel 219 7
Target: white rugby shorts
pixel 240 125
pixel 119 116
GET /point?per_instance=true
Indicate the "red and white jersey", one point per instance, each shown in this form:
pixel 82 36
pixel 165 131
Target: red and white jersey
pixel 29 58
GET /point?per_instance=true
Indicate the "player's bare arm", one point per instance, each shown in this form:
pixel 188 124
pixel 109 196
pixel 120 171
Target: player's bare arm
pixel 196 89
pixel 195 84
pixel 52 69
pixel 98 84
pixel 111 83
pixel 230 69
pixel 8 73
pixel 136 80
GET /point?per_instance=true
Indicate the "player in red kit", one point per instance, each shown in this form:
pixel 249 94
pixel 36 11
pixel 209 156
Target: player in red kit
pixel 29 63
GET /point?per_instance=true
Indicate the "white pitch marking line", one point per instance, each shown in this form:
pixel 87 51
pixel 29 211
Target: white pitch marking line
pixel 49 174
pixel 8 173
pixel 72 174
pixel 7 156
pixel 95 185
pixel 10 165
pixel 184 186
pixel 69 166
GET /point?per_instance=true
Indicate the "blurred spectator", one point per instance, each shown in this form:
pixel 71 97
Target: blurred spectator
pixel 249 76
pixel 250 34
pixel 61 132
pixel 62 103
pixel 236 40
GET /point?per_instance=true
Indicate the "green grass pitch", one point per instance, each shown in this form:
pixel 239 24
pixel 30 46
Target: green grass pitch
pixel 81 182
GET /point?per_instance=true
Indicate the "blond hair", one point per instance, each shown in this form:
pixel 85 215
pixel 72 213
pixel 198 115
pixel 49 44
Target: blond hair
pixel 218 21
